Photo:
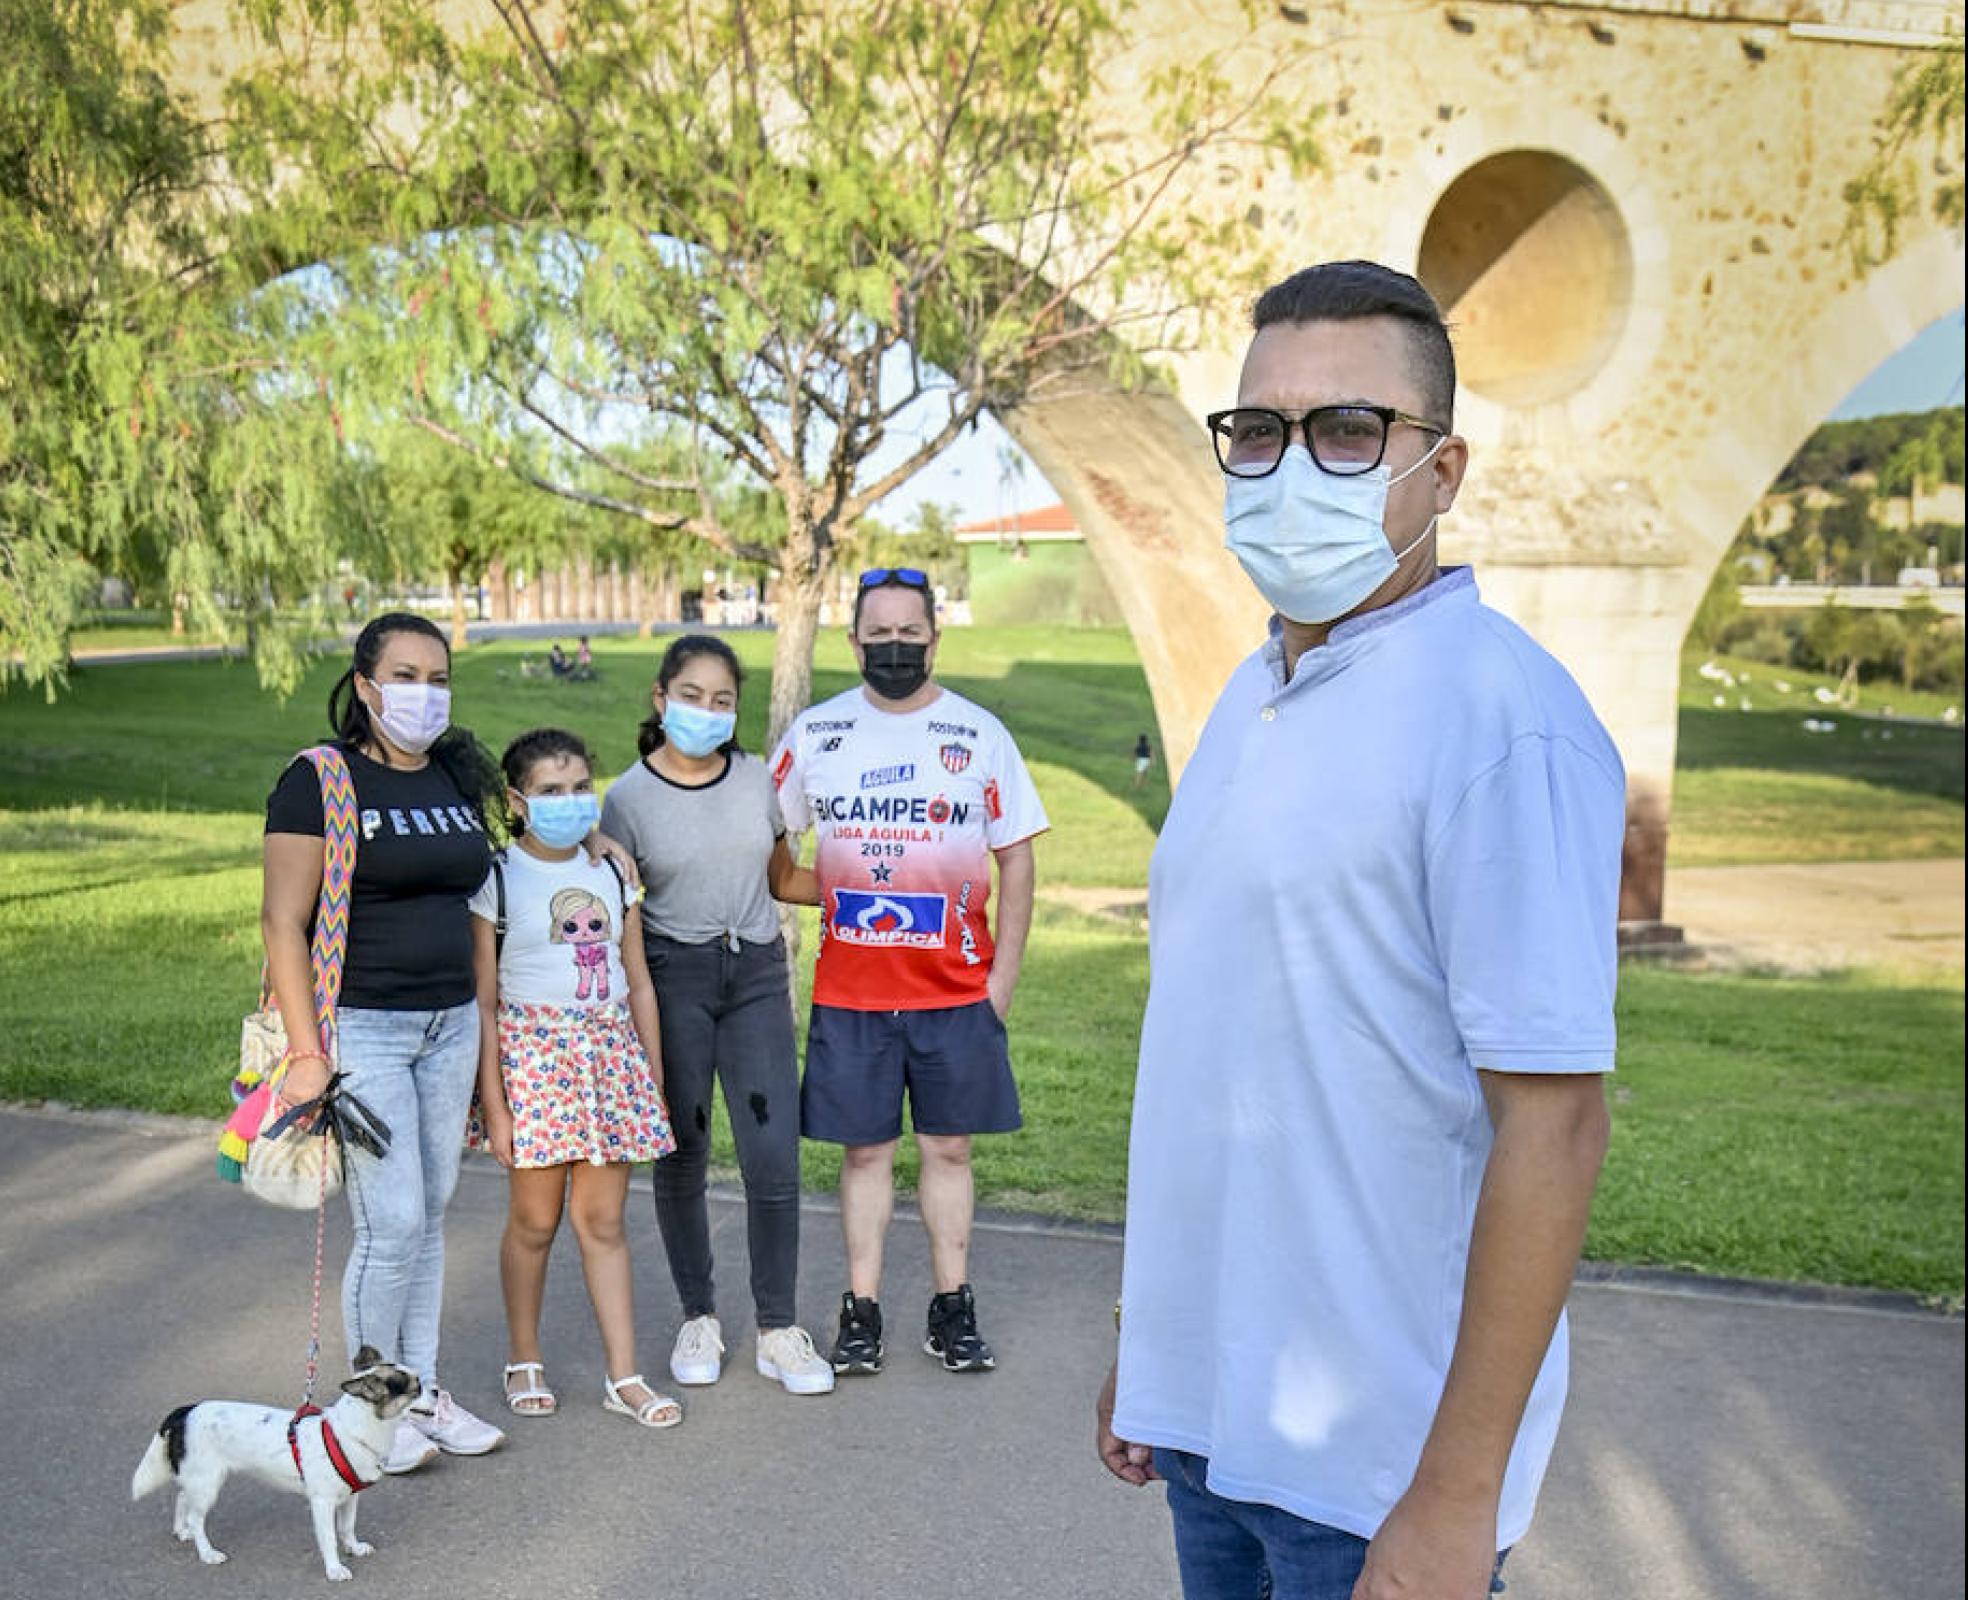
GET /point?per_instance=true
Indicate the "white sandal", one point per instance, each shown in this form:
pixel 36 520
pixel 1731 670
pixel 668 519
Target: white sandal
pixel 658 1411
pixel 536 1399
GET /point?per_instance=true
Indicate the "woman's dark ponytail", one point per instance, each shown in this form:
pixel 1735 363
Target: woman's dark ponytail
pixel 650 733
pixel 347 715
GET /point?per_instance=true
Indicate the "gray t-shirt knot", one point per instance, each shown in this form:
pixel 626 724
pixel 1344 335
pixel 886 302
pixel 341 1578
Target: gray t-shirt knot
pixel 702 850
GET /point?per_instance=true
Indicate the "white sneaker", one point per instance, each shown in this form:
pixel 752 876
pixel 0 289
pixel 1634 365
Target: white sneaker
pixel 409 1450
pixel 451 1428
pixel 787 1354
pixel 698 1356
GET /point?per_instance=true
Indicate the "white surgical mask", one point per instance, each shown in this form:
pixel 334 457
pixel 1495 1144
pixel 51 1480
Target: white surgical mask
pixel 414 715
pixel 1315 544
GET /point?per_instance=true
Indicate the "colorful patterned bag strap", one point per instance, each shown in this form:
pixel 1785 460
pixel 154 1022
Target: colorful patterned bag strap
pixel 329 947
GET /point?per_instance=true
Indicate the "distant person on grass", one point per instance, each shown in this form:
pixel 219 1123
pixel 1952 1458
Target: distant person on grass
pixel 408 1017
pixel 1144 758
pixel 699 815
pixel 1368 1116
pixel 913 791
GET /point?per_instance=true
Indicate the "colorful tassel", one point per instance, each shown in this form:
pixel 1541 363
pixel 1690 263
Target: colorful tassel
pixel 240 1131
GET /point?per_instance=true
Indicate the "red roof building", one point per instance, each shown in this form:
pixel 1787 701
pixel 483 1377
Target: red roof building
pixel 1051 524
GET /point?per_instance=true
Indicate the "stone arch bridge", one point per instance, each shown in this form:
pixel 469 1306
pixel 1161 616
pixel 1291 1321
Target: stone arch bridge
pixel 1632 211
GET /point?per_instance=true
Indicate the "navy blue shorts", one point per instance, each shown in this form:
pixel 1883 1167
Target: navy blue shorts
pixel 954 1063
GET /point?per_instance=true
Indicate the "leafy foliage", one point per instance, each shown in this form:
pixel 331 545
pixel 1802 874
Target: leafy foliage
pixel 145 429
pixel 808 240
pixel 1922 119
pixel 1839 450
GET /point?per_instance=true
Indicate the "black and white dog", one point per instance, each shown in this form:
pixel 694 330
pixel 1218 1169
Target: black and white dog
pixel 326 1455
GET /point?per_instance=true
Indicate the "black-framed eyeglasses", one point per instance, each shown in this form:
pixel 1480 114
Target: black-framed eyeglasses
pixel 907 577
pixel 1344 440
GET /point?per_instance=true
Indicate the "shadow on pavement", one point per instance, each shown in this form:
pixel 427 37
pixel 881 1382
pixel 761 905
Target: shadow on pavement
pixel 1716 1449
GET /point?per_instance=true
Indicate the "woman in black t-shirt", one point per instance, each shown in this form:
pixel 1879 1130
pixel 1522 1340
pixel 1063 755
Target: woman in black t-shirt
pixel 407 1023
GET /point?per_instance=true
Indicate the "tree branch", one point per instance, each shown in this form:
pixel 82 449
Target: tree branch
pixel 857 504
pixel 666 522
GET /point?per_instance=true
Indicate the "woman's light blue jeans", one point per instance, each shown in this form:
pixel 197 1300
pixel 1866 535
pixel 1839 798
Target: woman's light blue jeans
pixel 415 1070
pixel 1239 1550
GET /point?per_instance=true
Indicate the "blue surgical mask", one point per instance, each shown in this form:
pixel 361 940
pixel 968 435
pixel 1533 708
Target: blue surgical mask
pixel 559 821
pixel 1314 544
pixel 695 731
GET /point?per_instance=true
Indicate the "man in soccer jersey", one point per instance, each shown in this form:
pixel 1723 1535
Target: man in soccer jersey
pixel 912 791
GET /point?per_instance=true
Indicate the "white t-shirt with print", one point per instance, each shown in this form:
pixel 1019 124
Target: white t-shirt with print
pixel 564 923
pixel 908 807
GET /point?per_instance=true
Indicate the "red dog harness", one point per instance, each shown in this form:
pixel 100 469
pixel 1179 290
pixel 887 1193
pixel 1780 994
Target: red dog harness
pixel 336 1455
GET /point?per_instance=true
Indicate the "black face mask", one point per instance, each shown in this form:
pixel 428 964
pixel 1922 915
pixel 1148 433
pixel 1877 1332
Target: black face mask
pixel 895 669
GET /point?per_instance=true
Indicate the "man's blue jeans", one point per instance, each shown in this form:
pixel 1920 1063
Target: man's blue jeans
pixel 1238 1550
pixel 415 1070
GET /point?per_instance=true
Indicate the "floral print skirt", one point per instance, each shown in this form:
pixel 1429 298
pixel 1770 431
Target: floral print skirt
pixel 579 1087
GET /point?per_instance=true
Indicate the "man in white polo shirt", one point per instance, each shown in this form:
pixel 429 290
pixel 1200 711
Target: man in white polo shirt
pixel 1369 1114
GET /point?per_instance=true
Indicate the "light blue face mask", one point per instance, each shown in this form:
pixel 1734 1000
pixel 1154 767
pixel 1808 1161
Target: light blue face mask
pixel 695 731
pixel 1315 544
pixel 560 821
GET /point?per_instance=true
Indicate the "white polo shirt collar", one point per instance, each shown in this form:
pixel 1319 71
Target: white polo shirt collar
pixel 1452 586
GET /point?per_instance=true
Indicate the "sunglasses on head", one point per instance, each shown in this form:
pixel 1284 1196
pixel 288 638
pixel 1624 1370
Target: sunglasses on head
pixel 907 577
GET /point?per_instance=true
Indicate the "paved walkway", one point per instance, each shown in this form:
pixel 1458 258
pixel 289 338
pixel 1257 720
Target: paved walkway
pixel 1894 914
pixel 1717 1448
pixel 1810 917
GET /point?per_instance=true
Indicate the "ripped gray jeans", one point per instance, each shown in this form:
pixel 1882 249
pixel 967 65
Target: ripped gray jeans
pixel 727 1015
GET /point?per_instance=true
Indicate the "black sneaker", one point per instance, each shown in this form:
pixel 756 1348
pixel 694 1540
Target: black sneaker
pixel 953 1338
pixel 858 1345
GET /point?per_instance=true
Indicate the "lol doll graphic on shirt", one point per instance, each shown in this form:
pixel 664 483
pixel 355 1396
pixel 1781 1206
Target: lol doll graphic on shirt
pixel 582 920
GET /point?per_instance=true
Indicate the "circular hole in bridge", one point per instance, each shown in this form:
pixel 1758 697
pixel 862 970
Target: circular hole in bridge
pixel 1530 260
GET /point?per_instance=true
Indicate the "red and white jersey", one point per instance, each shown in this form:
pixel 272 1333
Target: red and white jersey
pixel 907 808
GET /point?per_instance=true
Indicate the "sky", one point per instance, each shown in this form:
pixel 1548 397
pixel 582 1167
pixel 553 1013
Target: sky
pixel 985 474
pixel 1926 374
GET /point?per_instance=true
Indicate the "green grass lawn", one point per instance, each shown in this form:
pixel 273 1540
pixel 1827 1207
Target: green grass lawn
pixel 1757 786
pixel 1762 1127
pixel 201 736
pixel 1051 583
pixel 139 629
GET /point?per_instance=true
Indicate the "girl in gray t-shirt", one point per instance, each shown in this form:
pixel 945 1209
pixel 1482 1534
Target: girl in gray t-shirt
pixel 703 822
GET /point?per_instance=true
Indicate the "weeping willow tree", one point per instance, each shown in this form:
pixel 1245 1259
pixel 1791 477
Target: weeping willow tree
pixel 1916 164
pixel 810 241
pixel 148 428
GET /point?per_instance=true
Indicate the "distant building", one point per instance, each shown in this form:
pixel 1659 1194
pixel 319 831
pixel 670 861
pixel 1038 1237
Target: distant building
pixel 1051 524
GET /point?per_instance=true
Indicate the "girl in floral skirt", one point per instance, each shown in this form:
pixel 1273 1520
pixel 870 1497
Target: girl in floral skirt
pixel 570 1076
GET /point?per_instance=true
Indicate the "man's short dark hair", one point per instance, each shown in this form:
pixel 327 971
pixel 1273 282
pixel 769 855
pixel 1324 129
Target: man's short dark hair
pixel 1346 291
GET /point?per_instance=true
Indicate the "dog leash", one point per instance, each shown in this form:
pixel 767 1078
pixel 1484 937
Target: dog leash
pixel 337 1456
pixel 333 1111
pixel 314 1308
pixel 340 1116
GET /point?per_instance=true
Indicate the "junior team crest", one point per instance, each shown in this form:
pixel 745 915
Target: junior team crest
pixel 955 756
